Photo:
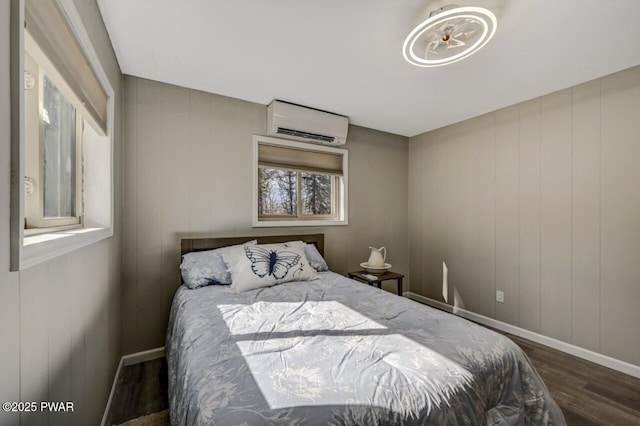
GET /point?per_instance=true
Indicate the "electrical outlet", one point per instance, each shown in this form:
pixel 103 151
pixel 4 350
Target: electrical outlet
pixel 500 296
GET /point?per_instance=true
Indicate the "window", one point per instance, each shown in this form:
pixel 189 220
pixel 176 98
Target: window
pixel 60 141
pixel 53 152
pixel 299 184
pixel 290 193
pixel 62 126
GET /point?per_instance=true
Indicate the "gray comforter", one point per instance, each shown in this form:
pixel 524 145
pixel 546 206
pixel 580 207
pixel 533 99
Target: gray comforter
pixel 334 351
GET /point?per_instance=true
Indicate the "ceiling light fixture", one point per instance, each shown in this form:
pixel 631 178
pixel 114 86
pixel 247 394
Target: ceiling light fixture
pixel 450 34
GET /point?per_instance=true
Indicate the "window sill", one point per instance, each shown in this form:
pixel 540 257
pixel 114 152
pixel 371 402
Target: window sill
pixel 40 248
pixel 39 231
pixel 297 223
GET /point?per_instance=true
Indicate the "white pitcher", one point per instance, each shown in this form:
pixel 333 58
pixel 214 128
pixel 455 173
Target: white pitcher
pixel 377 258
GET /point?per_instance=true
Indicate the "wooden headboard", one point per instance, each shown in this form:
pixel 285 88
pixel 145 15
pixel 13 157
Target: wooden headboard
pixel 188 245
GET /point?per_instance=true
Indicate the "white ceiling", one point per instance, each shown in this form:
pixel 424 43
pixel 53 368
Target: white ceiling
pixel 345 56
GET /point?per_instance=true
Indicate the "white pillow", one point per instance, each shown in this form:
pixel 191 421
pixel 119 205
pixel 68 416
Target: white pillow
pixel 316 260
pixel 200 268
pixel 264 265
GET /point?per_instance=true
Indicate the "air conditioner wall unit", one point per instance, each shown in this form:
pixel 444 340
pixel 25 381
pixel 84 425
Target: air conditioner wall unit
pixel 300 123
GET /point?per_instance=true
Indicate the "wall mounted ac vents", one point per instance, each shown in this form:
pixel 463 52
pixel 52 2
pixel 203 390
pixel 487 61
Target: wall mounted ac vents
pixel 300 123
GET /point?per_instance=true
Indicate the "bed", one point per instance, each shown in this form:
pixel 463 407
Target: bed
pixel 336 351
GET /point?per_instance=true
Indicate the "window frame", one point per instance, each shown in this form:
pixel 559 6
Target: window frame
pixel 35 221
pixel 336 202
pixel 339 189
pixel 30 250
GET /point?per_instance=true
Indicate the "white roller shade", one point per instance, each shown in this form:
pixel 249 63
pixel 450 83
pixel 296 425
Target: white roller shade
pixel 48 26
pixel 284 157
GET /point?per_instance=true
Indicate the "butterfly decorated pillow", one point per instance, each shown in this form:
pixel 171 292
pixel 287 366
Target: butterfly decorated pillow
pixel 264 265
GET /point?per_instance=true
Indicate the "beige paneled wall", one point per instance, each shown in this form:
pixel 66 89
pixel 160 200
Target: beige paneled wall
pixel 60 328
pixel 187 171
pixel 540 200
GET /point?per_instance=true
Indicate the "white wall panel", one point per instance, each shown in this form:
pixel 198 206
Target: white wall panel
pixel 555 215
pixel 435 220
pixel 174 181
pixel 130 207
pixel 485 202
pixel 567 214
pixel 585 262
pixel 529 197
pixel 202 157
pixel 57 310
pixel 620 216
pixel 34 341
pixel 507 218
pixel 148 278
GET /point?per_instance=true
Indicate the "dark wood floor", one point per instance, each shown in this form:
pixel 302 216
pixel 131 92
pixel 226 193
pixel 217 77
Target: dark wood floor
pixel 141 390
pixel 588 394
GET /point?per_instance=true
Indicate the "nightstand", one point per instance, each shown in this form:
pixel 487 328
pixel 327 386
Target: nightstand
pixel 360 276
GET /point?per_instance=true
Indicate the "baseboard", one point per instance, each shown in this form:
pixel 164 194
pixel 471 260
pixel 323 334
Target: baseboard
pixel 126 360
pixel 144 356
pixel 595 357
pixel 113 390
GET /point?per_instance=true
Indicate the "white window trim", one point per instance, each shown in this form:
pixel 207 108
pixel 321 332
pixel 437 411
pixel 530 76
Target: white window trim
pixel 344 205
pixel 31 250
pixel 35 215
